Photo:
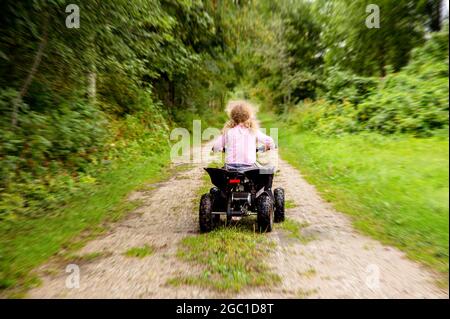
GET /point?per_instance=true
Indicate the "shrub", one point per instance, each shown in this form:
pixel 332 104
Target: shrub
pixel 413 101
pixel 51 155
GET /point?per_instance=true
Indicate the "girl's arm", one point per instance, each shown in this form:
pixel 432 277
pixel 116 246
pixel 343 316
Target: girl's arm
pixel 266 140
pixel 219 144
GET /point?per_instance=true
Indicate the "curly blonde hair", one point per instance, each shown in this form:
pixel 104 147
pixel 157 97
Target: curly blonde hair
pixel 241 112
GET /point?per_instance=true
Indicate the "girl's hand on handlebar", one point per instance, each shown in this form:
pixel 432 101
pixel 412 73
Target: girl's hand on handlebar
pixel 261 149
pixel 265 148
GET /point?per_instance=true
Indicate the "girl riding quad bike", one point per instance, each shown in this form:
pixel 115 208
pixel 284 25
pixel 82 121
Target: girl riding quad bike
pixel 242 187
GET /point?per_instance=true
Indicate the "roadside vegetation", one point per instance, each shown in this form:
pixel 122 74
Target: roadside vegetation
pixel 86 114
pixel 363 113
pixel 384 159
pixel 395 188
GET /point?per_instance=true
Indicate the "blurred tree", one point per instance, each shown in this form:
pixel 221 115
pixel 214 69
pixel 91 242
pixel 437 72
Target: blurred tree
pixel 367 51
pixel 287 50
pixel 432 9
pixel 63 90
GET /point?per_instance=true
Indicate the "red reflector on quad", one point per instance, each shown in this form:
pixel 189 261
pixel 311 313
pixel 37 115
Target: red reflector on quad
pixel 234 181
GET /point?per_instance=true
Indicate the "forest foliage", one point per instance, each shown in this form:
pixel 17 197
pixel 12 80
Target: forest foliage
pixel 320 60
pixel 73 102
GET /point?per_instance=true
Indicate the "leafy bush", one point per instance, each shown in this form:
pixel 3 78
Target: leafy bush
pixel 45 152
pixel 341 86
pixel 413 101
pixel 130 58
pixel 325 118
pixel 49 156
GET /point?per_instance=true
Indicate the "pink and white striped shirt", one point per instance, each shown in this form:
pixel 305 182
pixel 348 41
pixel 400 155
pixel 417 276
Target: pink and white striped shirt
pixel 240 144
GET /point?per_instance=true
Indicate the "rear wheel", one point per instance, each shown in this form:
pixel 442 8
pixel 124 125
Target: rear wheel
pixel 278 194
pixel 265 214
pixel 205 213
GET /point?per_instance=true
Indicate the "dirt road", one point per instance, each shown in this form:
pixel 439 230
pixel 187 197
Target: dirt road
pixel 338 263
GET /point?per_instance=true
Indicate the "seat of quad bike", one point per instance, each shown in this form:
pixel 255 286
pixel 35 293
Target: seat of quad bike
pixel 256 167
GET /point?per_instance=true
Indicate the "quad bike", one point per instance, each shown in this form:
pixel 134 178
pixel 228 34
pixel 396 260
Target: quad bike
pixel 241 192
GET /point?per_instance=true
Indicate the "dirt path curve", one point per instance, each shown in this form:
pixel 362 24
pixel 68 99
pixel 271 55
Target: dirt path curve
pixel 338 263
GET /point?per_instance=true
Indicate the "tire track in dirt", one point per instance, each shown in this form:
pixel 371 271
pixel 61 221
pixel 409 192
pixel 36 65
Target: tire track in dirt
pixel 338 263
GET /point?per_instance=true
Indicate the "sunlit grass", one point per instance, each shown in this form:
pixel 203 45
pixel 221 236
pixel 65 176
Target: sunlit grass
pixel 395 187
pixel 294 230
pixel 139 252
pixel 290 204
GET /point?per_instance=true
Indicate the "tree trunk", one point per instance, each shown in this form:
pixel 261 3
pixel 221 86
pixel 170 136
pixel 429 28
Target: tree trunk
pixel 92 86
pixel 37 60
pixel 382 61
pixel 434 14
pixel 172 93
pixel 92 73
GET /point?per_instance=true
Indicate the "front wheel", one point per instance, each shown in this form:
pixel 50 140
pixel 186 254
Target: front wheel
pixel 265 214
pixel 278 194
pixel 205 213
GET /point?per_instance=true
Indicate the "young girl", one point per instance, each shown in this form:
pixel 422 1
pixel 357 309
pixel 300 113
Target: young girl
pixel 241 137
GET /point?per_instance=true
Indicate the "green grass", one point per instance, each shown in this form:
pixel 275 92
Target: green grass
pixel 86 258
pixel 27 243
pixel 294 229
pixel 139 252
pixel 395 187
pixel 290 204
pixel 311 272
pixel 206 185
pixel 303 294
pixel 232 258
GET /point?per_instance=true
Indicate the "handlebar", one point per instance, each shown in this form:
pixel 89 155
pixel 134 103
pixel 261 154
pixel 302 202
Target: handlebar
pixel 259 149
